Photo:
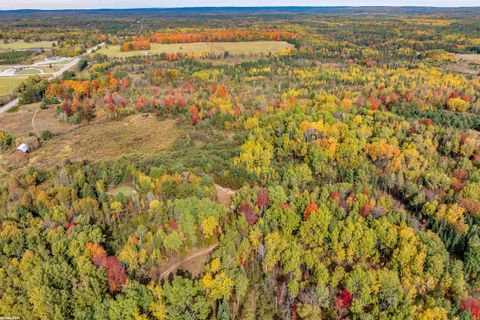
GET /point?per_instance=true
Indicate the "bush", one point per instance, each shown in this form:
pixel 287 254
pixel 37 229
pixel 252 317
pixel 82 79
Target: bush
pixel 7 140
pixel 32 90
pixel 46 135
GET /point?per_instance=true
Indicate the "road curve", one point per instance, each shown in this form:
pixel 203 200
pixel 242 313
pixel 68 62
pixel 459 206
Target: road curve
pixel 69 65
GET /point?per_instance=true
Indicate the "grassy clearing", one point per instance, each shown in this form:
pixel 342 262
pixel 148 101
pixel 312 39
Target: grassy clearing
pixel 235 48
pixel 127 191
pixel 146 140
pixel 18 120
pixel 135 135
pixel 8 84
pixel 20 45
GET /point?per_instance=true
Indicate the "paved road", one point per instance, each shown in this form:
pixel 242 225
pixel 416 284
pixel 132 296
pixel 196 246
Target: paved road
pixel 9 105
pixel 69 65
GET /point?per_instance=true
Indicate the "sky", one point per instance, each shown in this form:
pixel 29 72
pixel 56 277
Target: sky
pixel 91 4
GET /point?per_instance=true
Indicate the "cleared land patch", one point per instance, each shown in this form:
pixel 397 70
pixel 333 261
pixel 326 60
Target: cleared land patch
pixel 235 48
pixel 475 58
pixel 466 64
pixel 19 122
pixel 108 140
pixel 126 190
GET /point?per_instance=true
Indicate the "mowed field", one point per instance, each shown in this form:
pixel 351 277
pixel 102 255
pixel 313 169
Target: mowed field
pixel 20 45
pixel 235 48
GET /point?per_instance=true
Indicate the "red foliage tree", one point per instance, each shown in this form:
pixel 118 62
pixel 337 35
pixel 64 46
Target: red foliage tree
pixel 284 206
pixel 335 195
pixel 344 300
pixel 262 199
pixel 471 305
pixel 116 275
pixel 366 209
pixel 180 102
pixel 249 213
pixel 311 207
pixel 195 116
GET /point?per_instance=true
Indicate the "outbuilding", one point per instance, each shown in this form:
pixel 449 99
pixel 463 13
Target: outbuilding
pixel 23 149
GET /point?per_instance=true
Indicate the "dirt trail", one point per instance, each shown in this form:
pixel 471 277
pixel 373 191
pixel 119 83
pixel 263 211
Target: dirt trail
pixel 184 261
pixel 33 122
pixel 224 195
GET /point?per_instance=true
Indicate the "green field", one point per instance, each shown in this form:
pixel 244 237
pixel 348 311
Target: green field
pixel 28 71
pixel 7 84
pixel 235 48
pixel 20 45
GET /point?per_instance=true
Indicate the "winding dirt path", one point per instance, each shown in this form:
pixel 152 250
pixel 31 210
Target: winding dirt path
pixel 33 122
pixel 184 260
pixel 224 195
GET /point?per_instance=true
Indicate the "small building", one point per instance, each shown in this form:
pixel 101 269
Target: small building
pixel 39 50
pixel 23 149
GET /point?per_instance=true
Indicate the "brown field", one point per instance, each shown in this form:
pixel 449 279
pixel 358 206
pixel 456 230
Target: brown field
pixel 107 140
pixel 468 64
pixel 475 58
pixel 20 122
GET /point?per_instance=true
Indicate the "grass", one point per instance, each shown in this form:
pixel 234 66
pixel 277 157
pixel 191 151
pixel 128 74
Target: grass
pixel 28 71
pixel 20 45
pixel 8 84
pixel 134 135
pixel 234 48
pixel 127 191
pixel 14 109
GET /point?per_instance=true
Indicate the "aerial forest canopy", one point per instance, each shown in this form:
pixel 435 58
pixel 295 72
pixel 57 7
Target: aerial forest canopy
pixel 319 163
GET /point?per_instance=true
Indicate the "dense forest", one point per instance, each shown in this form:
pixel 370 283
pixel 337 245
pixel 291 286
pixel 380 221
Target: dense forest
pixel 337 179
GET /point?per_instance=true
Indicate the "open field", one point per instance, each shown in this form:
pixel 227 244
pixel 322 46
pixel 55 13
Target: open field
pixel 108 140
pixel 20 45
pixel 475 58
pixel 236 48
pixel 465 63
pixel 19 122
pixel 8 84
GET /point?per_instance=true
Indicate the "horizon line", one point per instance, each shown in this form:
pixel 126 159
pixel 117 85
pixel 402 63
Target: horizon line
pixel 239 7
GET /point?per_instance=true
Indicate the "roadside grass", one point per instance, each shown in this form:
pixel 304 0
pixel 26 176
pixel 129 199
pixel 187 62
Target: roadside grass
pixel 234 48
pixel 28 71
pixel 14 109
